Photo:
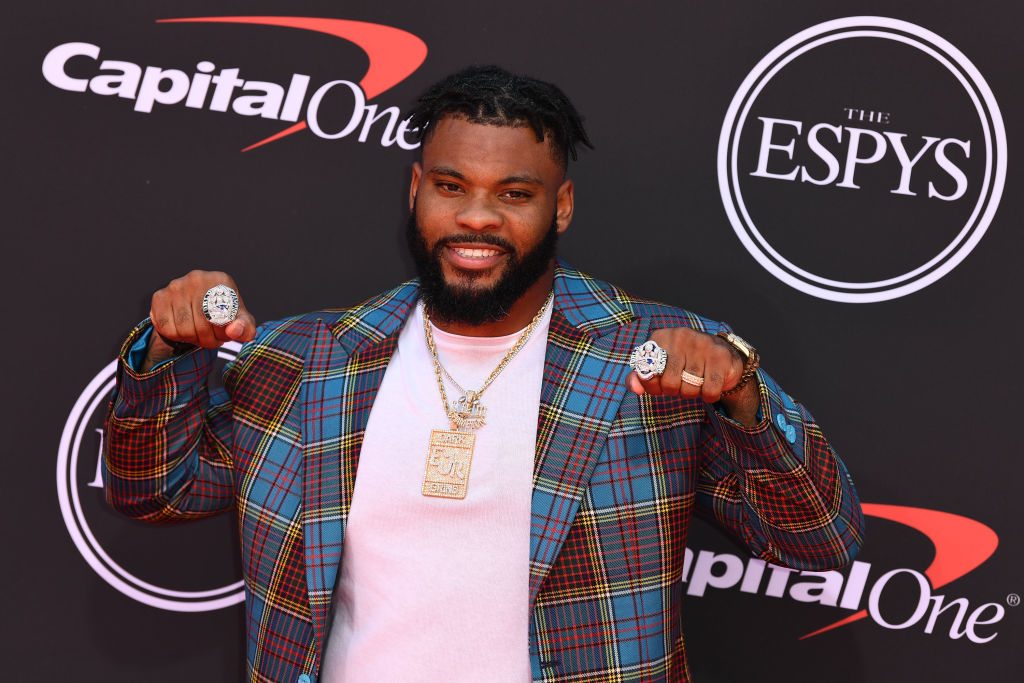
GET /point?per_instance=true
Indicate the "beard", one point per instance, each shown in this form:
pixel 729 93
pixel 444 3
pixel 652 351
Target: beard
pixel 463 302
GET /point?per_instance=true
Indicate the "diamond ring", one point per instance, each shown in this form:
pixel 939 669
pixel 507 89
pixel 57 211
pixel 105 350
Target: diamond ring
pixel 220 305
pixel 648 360
pixel 695 380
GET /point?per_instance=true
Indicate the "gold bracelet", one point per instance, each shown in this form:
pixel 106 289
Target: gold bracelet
pixel 749 368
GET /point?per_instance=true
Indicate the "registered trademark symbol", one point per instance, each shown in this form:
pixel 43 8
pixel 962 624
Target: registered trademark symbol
pixel 1012 599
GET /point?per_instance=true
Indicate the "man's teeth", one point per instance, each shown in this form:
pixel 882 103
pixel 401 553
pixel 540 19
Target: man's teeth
pixel 475 253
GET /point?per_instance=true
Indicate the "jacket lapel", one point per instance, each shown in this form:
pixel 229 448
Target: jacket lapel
pixel 589 342
pixel 590 338
pixel 348 355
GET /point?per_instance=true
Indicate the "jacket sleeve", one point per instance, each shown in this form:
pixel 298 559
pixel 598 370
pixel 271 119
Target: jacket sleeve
pixel 779 486
pixel 168 439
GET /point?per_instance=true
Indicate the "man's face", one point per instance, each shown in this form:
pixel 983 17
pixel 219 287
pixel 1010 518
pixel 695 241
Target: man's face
pixel 487 205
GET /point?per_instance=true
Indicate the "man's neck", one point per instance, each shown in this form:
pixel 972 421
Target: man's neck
pixel 520 315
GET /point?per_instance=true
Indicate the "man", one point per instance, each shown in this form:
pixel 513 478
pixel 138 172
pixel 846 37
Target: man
pixel 462 479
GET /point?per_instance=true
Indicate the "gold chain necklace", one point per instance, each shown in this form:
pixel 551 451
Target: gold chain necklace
pixel 451 450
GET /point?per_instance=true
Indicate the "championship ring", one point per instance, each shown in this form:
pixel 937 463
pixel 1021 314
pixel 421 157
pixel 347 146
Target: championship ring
pixel 220 305
pixel 648 360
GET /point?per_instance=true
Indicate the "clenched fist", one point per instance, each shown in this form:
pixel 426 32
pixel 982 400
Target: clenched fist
pixel 701 355
pixel 177 315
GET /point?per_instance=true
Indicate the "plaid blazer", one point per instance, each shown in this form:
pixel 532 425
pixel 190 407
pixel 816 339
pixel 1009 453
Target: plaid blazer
pixel 616 478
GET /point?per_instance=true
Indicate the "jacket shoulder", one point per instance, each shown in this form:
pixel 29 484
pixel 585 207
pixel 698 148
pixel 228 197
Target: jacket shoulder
pixel 585 292
pixel 372 319
pixel 665 315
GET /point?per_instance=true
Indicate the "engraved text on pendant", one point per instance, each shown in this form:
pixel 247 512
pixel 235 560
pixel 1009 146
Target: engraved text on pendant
pixel 448 461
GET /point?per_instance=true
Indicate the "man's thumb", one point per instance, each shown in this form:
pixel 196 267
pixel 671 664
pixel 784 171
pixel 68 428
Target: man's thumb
pixel 242 328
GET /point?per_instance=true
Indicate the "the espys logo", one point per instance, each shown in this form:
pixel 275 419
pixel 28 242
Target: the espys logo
pixel 178 562
pixel 961 545
pixel 862 159
pixel 393 56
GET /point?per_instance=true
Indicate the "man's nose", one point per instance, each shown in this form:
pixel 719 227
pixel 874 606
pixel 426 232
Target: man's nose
pixel 479 213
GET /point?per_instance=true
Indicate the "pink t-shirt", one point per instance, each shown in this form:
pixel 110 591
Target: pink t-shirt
pixel 436 589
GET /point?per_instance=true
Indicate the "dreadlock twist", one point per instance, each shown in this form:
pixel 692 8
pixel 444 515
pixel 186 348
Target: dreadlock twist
pixel 493 96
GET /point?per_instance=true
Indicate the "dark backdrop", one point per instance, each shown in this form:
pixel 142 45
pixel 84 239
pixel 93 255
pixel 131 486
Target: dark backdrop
pixel 919 393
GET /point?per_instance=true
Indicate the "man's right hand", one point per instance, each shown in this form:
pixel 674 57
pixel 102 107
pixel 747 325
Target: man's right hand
pixel 177 315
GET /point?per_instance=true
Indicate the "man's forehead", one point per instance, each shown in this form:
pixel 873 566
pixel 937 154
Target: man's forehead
pixel 516 138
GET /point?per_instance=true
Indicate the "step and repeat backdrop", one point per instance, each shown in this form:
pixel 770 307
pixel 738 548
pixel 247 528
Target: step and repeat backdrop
pixel 834 179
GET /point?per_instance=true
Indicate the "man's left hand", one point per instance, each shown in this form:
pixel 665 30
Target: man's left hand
pixel 701 355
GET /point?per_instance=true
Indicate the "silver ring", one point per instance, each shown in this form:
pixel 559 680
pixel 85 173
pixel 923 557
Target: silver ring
pixel 691 379
pixel 220 305
pixel 648 360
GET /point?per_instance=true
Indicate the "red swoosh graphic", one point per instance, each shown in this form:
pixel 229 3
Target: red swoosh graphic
pixel 394 54
pixel 961 545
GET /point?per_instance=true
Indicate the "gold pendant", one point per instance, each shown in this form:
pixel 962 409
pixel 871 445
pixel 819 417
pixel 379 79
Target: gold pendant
pixel 468 413
pixel 448 461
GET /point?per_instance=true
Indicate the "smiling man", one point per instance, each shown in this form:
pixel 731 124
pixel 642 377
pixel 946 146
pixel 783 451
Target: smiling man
pixel 487 473
pixel 482 233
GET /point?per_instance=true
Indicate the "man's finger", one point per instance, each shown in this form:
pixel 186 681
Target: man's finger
pixel 242 328
pixel 716 371
pixel 207 337
pixel 652 385
pixel 162 315
pixel 691 386
pixel 184 324
pixel 157 341
pixel 671 380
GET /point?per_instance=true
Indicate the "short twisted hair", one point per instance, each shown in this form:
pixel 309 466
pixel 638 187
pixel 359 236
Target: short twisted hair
pixel 493 96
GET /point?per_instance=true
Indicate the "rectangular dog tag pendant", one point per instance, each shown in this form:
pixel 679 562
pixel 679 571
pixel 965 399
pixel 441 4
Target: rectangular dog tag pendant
pixel 448 461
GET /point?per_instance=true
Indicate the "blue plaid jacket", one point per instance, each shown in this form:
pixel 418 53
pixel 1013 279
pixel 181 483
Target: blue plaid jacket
pixel 617 478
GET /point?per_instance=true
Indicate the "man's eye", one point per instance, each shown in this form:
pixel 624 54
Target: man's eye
pixel 448 187
pixel 517 194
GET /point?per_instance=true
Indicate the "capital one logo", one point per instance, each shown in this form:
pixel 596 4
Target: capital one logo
pixel 961 546
pixel 862 159
pixel 393 55
pixel 180 568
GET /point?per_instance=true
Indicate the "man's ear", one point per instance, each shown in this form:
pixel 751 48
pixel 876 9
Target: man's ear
pixel 414 184
pixel 564 206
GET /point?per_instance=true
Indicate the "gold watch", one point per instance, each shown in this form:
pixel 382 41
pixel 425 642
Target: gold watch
pixel 738 343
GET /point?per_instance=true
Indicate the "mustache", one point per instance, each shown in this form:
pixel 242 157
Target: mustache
pixel 475 238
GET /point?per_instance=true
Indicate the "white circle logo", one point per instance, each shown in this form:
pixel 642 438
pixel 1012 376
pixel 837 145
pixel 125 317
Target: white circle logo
pixel 73 471
pixel 872 104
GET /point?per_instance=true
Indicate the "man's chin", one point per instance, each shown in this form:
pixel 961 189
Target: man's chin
pixel 471 282
pixel 476 295
pixel 463 291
